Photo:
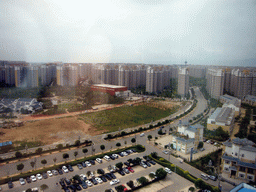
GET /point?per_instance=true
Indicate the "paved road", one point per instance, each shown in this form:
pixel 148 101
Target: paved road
pixel 10 169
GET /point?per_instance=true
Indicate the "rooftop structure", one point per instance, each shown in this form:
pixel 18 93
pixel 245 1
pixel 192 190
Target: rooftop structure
pixel 243 187
pixel 106 88
pixel 250 99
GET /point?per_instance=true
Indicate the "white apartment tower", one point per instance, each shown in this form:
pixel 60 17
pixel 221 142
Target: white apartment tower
pixel 215 82
pixel 183 81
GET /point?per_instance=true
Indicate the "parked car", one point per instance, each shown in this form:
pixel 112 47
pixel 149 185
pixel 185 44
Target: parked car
pixel 79 166
pixel 127 164
pixel 212 177
pixel 94 181
pixel 28 180
pixel 66 189
pixel 88 163
pixel 89 183
pixel 152 162
pixel 103 178
pixel 112 175
pixel 121 172
pixel 49 173
pixel 167 170
pixel 83 177
pixel 83 184
pixel 83 164
pixel 202 149
pixel 130 169
pixel 115 155
pixel 99 160
pixel 203 176
pixel 126 170
pixel 67 181
pixel 33 178
pixel 114 181
pixel 99 180
pixel 107 158
pixel 65 169
pixel 143 165
pixel 78 188
pixel 10 184
pixel 147 163
pixel 108 176
pixel 70 168
pixel 60 171
pixel 22 181
pixel 92 161
pixel 142 134
pixel 39 176
pixel 55 172
pixel 121 154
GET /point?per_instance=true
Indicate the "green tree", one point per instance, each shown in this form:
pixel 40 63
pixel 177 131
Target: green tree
pixel 76 177
pixel 65 156
pixel 143 181
pixel 77 142
pixel 154 154
pixel 119 165
pixel 130 184
pixel 151 176
pixel 118 144
pixel 161 173
pixel 44 187
pixel 32 163
pixel 100 171
pixel 200 184
pixel 160 132
pixel 120 188
pixel 102 147
pixel 133 140
pixel 149 137
pixel 54 160
pixel 75 154
pixel 85 150
pixel 88 173
pixel 39 151
pixel 191 189
pixel 200 145
pixel 29 190
pixel 44 162
pixel 20 167
pixel 18 154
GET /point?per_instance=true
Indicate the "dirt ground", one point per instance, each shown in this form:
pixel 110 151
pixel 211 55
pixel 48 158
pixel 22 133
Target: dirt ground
pixel 48 131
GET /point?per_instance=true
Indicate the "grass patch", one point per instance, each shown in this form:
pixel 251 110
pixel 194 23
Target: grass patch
pixel 126 116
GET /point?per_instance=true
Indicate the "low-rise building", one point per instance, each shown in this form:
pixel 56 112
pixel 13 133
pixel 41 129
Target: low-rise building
pixel 106 88
pixel 222 117
pixel 239 159
pixel 250 99
pixel 231 102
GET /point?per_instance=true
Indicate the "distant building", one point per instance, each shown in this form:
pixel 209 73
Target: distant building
pixel 215 82
pixel 231 102
pixel 250 99
pixel 106 88
pixel 239 159
pixel 124 94
pixel 183 82
pixel 197 71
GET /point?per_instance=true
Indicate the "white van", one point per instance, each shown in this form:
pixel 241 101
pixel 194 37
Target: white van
pixel 142 134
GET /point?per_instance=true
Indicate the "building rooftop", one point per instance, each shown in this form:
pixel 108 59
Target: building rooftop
pixel 243 187
pixel 250 97
pixel 109 86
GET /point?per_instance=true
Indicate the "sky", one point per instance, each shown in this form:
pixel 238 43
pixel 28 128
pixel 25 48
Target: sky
pixel 204 32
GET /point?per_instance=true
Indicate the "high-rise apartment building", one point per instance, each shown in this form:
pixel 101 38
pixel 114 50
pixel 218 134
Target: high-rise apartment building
pixel 197 71
pixel 183 81
pixel 215 82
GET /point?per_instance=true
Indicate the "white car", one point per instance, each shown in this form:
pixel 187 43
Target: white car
pixel 89 183
pixel 115 155
pixel 39 176
pixel 143 165
pixel 167 170
pixel 33 178
pixel 114 181
pixel 22 181
pixel 65 169
pixel 99 160
pixel 107 158
pixel 82 176
pixel 49 173
pixel 88 163
pixel 98 180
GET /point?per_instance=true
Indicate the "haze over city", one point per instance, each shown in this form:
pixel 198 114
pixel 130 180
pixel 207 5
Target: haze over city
pixel 134 31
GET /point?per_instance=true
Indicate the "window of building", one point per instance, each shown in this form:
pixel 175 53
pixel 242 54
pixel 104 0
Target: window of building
pixel 227 162
pixel 242 155
pixel 242 169
pixel 241 175
pixel 251 171
pixel 250 177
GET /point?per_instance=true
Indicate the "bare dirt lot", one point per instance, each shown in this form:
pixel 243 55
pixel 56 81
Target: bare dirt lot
pixel 48 131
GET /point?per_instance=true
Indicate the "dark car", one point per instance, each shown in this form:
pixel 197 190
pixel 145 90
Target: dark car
pixel 108 176
pixel 55 172
pixel 66 189
pixel 62 183
pixel 112 157
pixel 126 170
pixel 121 172
pixel 92 162
pixel 10 184
pixel 45 176
pixel 68 182
pixel 79 166
pixel 112 175
pixel 28 180
pixel 147 163
pixel 60 171
pixel 72 187
pixel 146 158
pixel 103 178
pixel 78 188
pixel 83 164
pixel 83 184
pixel 93 181
pixel 134 150
pixel 120 154
pixel 70 168
pixel 127 164
pixel 128 152
pixel 152 162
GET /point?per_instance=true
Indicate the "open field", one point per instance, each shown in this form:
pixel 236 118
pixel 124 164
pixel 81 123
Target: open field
pixel 128 116
pixel 69 128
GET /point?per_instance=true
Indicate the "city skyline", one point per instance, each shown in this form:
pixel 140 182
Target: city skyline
pixel 134 31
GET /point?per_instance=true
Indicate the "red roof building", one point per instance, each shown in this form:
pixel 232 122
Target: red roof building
pixel 106 88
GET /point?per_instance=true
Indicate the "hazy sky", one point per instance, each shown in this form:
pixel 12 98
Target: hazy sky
pixel 141 31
